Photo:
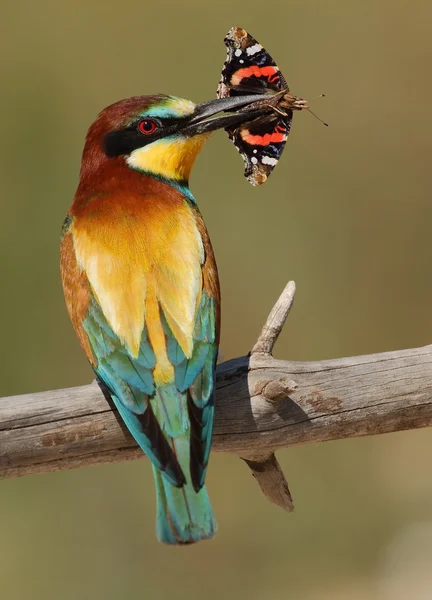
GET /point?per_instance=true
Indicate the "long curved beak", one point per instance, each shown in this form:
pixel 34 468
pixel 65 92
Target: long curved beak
pixel 204 117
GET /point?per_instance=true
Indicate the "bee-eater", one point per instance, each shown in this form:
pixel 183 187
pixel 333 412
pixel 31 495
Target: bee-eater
pixel 142 290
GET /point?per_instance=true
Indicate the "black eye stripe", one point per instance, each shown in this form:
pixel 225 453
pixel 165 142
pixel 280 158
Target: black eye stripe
pixel 122 142
pixel 165 123
pixel 133 126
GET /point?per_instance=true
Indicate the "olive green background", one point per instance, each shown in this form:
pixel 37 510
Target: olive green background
pixel 346 214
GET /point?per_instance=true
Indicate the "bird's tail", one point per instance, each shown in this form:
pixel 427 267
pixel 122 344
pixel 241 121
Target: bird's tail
pixel 183 515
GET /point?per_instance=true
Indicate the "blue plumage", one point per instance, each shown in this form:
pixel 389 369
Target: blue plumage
pixel 173 422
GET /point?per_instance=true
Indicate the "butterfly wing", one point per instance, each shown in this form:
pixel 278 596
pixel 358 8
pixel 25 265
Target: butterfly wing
pixel 261 143
pixel 249 69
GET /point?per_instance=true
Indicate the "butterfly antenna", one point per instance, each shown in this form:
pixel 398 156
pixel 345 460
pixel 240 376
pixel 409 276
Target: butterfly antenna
pixel 319 96
pixel 316 116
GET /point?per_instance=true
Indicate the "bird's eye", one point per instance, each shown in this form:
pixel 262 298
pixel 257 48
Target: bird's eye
pixel 146 126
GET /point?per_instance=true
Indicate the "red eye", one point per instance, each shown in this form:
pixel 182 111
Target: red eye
pixel 146 126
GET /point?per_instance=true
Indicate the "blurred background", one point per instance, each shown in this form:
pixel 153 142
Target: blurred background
pixel 346 214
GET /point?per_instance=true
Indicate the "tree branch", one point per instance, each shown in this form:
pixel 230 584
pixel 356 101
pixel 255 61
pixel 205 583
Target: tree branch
pixel 263 404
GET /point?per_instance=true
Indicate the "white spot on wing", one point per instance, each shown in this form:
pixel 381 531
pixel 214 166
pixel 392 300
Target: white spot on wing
pixel 254 160
pixel 268 160
pixel 238 52
pixel 254 49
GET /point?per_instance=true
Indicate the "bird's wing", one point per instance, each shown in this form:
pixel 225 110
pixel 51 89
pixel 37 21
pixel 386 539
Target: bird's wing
pixel 161 377
pixel 195 375
pixel 129 380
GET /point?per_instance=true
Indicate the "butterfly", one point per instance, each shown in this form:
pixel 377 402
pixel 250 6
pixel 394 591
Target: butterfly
pixel 249 69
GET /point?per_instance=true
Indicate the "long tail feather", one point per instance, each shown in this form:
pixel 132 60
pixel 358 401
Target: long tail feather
pixel 183 515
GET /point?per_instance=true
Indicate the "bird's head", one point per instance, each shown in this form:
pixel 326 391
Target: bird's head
pixel 159 135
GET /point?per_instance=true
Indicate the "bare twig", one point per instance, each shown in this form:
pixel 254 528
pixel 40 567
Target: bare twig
pixel 263 404
pixel 271 480
pixel 265 467
pixel 275 321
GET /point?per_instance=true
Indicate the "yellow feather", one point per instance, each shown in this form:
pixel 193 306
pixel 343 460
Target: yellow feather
pixel 147 253
pixel 119 288
pixel 171 157
pixel 164 371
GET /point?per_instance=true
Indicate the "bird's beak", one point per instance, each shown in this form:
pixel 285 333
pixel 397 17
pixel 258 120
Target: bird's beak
pixel 204 117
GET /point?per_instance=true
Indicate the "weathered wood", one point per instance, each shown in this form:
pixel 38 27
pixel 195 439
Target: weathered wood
pixel 275 321
pixel 271 479
pixel 263 404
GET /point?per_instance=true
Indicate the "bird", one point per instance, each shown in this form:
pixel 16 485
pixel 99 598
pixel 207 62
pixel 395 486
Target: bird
pixel 141 288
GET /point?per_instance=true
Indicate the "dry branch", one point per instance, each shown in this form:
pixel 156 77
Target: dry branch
pixel 263 404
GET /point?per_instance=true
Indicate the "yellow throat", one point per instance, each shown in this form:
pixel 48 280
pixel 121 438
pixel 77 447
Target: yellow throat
pixel 170 158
